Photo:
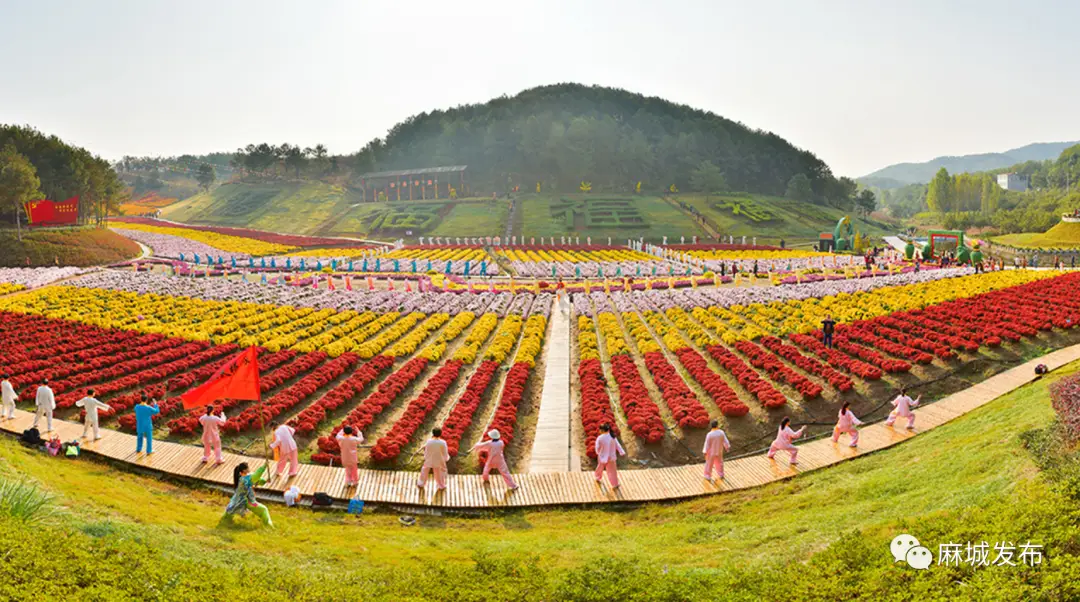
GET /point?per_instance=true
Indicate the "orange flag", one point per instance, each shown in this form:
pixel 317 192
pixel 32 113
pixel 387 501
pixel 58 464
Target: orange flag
pixel 238 379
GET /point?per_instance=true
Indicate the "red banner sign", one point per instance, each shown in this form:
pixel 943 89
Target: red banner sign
pixel 52 213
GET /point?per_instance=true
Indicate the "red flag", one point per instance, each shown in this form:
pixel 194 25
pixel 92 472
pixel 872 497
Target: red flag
pixel 238 379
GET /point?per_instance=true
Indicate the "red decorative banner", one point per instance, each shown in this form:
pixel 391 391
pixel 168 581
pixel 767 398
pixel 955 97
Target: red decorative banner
pixel 52 213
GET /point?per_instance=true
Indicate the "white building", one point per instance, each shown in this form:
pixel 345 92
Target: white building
pixel 1013 181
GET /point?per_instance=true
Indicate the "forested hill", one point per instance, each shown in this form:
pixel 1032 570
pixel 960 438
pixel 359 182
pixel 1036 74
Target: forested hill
pixel 564 134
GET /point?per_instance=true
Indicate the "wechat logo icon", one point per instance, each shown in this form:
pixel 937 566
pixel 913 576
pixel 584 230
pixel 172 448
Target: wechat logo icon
pixel 906 548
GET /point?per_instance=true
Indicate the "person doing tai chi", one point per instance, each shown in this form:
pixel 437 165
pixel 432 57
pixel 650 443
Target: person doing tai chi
pixel 716 443
pixel 608 451
pixel 7 394
pixel 144 424
pixel 903 405
pixel 784 437
pixel 494 447
pixel 348 440
pixel 91 405
pixel 288 452
pixel 846 423
pixel 436 455
pixel 244 497
pixel 45 403
pixel 211 434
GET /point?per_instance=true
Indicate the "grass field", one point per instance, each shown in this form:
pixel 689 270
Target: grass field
pixel 470 217
pixel 545 215
pixel 1061 236
pixel 824 535
pixel 296 208
pixel 79 247
pixel 772 218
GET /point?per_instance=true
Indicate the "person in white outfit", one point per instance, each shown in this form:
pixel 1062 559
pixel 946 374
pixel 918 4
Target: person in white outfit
pixel 288 452
pixel 45 402
pixel 91 405
pixel 7 393
pixel 436 455
pixel 903 405
pixel 496 460
pixel 716 443
pixel 846 423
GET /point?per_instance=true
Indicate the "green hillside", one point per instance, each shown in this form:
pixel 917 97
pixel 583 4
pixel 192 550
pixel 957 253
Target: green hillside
pixel 601 216
pixel 1061 236
pixel 316 208
pixel 324 209
pixel 774 217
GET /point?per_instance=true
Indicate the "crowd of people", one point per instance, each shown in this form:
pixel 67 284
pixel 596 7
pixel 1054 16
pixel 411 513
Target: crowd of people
pixel 435 451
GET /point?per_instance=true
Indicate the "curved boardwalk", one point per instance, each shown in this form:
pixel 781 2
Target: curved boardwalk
pixel 556 488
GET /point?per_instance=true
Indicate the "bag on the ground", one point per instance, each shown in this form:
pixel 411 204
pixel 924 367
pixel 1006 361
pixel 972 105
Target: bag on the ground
pixel 321 499
pixel 71 449
pixel 356 506
pixel 31 437
pixel 53 446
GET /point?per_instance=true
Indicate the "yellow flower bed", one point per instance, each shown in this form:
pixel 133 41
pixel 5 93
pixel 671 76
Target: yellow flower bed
pixel 408 344
pixel 532 340
pixel 614 340
pixel 434 350
pixel 574 256
pixel 6 288
pixel 505 337
pixel 470 347
pixel 637 329
pixel 780 318
pixel 438 254
pixel 687 325
pixel 336 252
pixel 722 255
pixel 588 348
pixel 302 329
pixel 225 242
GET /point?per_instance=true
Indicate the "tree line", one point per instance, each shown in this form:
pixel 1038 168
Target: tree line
pixel 35 166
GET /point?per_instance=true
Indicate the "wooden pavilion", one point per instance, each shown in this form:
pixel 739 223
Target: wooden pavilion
pixel 415 184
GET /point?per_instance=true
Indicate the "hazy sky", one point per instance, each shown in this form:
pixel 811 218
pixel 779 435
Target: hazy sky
pixel 861 83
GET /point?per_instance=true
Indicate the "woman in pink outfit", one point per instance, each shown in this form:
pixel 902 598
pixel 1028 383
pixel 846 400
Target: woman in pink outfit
pixel 286 446
pixel 608 451
pixel 495 459
pixel 716 443
pixel 903 405
pixel 348 444
pixel 436 455
pixel 211 436
pixel 784 437
pixel 846 423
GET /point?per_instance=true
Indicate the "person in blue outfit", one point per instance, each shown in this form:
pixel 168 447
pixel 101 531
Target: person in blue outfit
pixel 144 424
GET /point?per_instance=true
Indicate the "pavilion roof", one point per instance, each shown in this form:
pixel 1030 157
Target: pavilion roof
pixel 414 172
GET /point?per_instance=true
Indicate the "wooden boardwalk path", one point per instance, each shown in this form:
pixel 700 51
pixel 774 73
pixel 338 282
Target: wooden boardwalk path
pixel 551 447
pixel 556 488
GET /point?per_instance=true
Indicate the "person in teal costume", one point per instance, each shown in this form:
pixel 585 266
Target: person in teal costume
pixel 244 497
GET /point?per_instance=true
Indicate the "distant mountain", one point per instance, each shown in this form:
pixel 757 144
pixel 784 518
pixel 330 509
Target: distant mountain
pixel 920 173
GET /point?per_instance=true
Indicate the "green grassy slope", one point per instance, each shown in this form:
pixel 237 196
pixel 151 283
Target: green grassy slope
pixel 824 535
pixel 1061 236
pixel 298 208
pixel 540 216
pixel 776 217
pixel 316 208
